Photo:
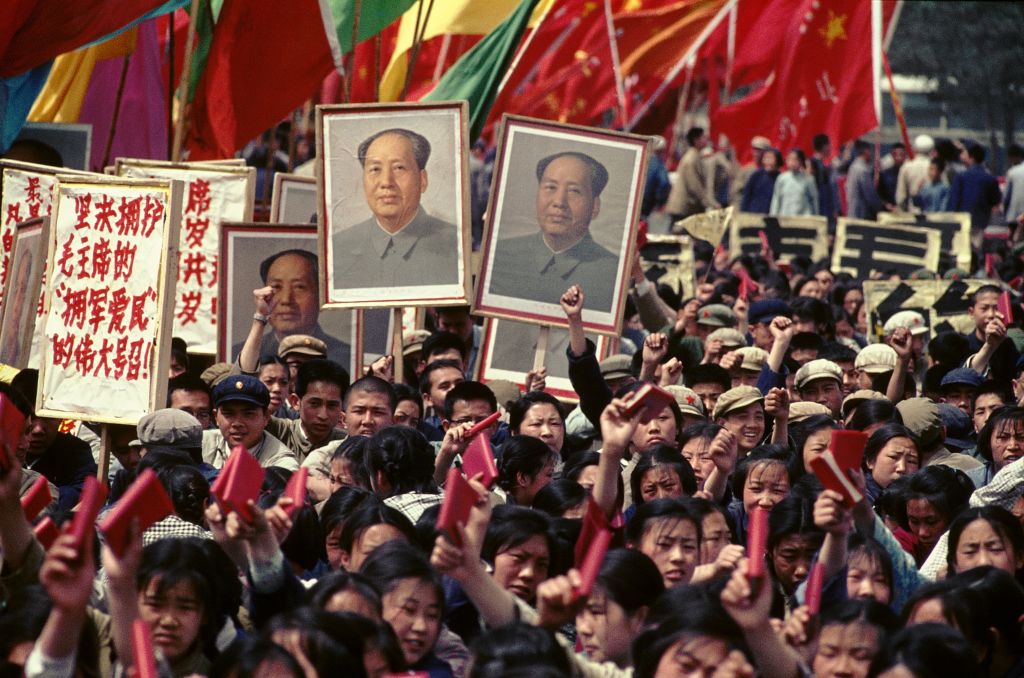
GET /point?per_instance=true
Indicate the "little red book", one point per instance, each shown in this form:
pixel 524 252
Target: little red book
pixel 757 542
pixel 36 499
pixel 815 581
pixel 296 490
pixel 12 423
pixel 239 482
pixel 142 649
pixel 478 457
pixel 459 500
pixel 46 532
pixel 146 500
pixel 649 398
pixel 1005 307
pixel 832 466
pixel 591 547
pixel 94 494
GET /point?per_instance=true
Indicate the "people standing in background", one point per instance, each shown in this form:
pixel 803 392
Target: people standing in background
pixel 933 196
pixel 913 174
pixel 1013 201
pixel 824 178
pixel 888 177
pixel 974 190
pixel 689 194
pixel 862 201
pixel 657 186
pixel 758 147
pixel 795 191
pixel 757 194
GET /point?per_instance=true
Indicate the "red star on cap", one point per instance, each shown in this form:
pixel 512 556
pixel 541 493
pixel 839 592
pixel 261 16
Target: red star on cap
pixel 707 314
pixel 690 400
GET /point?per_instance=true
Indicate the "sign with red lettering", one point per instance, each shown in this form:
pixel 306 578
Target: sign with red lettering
pixel 24 195
pixel 213 194
pixel 112 265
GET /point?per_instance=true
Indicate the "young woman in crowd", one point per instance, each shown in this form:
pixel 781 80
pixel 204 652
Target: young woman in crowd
pixel 539 415
pixel 891 453
pixel 525 465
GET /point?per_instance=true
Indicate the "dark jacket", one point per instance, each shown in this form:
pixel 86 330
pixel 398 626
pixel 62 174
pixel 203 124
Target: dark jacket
pixel 757 194
pixel 976 191
pixel 66 463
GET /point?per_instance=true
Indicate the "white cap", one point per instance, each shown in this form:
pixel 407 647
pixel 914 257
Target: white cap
pixel 912 320
pixel 923 144
pixel 818 369
pixel 876 359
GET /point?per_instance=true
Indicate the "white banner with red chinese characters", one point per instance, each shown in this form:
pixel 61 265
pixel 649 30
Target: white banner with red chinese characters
pixel 24 194
pixel 212 196
pixel 112 261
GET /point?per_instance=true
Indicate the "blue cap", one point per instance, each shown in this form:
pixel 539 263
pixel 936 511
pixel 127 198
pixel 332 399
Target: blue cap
pixel 958 425
pixel 962 376
pixel 241 388
pixel 765 310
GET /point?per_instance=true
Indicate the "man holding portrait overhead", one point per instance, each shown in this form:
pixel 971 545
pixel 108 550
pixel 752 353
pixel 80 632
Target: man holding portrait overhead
pixel 400 245
pixel 540 266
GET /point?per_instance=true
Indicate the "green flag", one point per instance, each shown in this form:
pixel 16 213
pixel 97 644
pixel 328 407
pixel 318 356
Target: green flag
pixel 374 17
pixel 475 77
pixel 208 11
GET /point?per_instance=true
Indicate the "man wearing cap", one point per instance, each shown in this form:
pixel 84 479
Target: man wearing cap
pixel 242 411
pixel 758 146
pixel 288 304
pixel 760 317
pixel 821 381
pixel 745 365
pixel 915 323
pixel 690 404
pixel 873 360
pixel 992 353
pixel 741 411
pixel 852 401
pixel 958 388
pixel 169 431
pixel 317 396
pixel 914 173
pixel 922 417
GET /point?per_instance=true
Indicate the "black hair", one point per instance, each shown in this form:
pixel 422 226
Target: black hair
pixel 598 172
pixel 341 505
pixel 179 351
pixel 174 561
pixel 517 409
pixel 871 412
pixel 1012 415
pixel 693 134
pixel 353 449
pixel 946 489
pixel 418 142
pixel 518 649
pixel 324 639
pixel 247 656
pixel 630 579
pixel 188 490
pixel 949 348
pixel 366 516
pixel 799 154
pixel 806 341
pixel 559 496
pixel 310 257
pixel 1002 522
pixel 405 392
pixel 891 502
pixel 404 457
pixel 662 455
pixel 374 635
pixel 810 308
pixel 575 465
pixel 25 613
pixel 766 455
pixel 466 391
pixel 521 454
pixel 25 383
pixel 337 582
pixel 514 525
pixel 984 289
pixel 992 387
pixel 928 651
pixel 837 353
pixel 708 373
pixel 976 153
pixel 441 342
pixel 702 430
pixel 397 560
pixel 802 430
pixel 869 612
pixel 187 382
pixel 867 547
pixel 433 367
pixel 371 384
pixel 881 437
pixel 320 370
pixel 819 141
pixel 655 511
pixel 793 515
pixel 1003 603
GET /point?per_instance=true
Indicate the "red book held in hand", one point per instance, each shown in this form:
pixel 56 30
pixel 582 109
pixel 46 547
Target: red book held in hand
pixel 145 500
pixel 296 490
pixel 757 542
pixel 459 500
pixel 142 649
pixel 832 466
pixel 478 457
pixel 46 532
pixel 591 547
pixel 239 482
pixel 1005 308
pixel 649 399
pixel 12 423
pixel 815 581
pixel 94 494
pixel 36 499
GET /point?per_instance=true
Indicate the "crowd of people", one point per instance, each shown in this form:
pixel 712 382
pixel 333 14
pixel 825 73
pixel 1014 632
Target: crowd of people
pixel 921 577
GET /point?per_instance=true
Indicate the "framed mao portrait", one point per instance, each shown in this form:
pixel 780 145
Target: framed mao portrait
pixel 293 200
pixel 22 291
pixel 564 204
pixel 393 214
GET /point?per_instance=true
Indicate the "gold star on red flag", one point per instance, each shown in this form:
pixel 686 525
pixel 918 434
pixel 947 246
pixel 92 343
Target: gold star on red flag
pixel 834 29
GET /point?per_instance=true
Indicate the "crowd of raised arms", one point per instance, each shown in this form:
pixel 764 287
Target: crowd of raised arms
pixel 919 577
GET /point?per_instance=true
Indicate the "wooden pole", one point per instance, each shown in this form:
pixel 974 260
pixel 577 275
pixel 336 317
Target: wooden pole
pixel 613 45
pixel 357 10
pixel 103 468
pixel 396 344
pixel 421 32
pixel 117 112
pixel 170 86
pixel 376 67
pixel 186 66
pixel 540 354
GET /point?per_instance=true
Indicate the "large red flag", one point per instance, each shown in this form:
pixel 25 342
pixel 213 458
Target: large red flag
pixel 824 82
pixel 267 57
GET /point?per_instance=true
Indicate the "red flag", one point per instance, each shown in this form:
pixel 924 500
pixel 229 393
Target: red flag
pixel 267 57
pixel 823 83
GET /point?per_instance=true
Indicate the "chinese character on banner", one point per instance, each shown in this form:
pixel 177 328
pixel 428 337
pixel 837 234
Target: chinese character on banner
pixel 212 195
pixel 107 317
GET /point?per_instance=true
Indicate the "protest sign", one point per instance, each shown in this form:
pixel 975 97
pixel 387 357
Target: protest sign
pixel 668 260
pixel 866 248
pixel 710 226
pixel 293 200
pixel 24 195
pixel 213 194
pixel 112 261
pixel 508 354
pixel 954 227
pixel 788 236
pixel 943 303
pixel 22 291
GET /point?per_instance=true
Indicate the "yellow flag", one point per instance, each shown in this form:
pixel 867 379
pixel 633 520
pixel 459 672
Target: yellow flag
pixel 62 95
pixel 458 17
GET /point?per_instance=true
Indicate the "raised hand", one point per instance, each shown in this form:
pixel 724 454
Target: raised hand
pixel 384 367
pixel 572 302
pixel 776 403
pixel 67 574
pixel 655 348
pixel 536 380
pixel 782 327
pixel 617 427
pixel 748 608
pixel 831 515
pixel 557 603
pixel 670 372
pixel 263 300
pixel 723 451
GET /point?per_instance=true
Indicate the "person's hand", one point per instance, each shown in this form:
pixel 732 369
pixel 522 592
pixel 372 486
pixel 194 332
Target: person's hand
pixel 617 427
pixel 995 332
pixel 536 380
pixel 705 291
pixel 748 608
pixel 278 519
pixel 688 314
pixel 454 441
pixel 572 302
pixel 723 451
pixel 831 515
pixel 734 666
pixel 655 348
pixel 776 403
pixel 729 558
pixel 795 633
pixel 463 562
pixel 729 360
pixel 263 300
pixel 121 569
pixel 10 483
pixel 256 535
pixel 557 602
pixel 740 307
pixel 636 271
pixel 712 350
pixel 384 367
pixel 900 342
pixel 67 574
pixel 670 372
pixel 782 328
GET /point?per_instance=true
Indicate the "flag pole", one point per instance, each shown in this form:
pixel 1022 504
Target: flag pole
pixel 421 32
pixel 730 50
pixel 681 63
pixel 117 111
pixel 186 66
pixel 522 50
pixel 876 75
pixel 355 38
pixel 613 45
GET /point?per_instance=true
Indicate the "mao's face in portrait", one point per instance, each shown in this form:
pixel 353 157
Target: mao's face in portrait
pixel 296 297
pixel 392 180
pixel 565 202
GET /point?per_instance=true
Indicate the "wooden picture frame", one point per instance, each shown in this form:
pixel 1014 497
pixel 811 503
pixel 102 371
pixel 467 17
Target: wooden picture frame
pixel 582 188
pixel 22 290
pixel 426 261
pixel 293 196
